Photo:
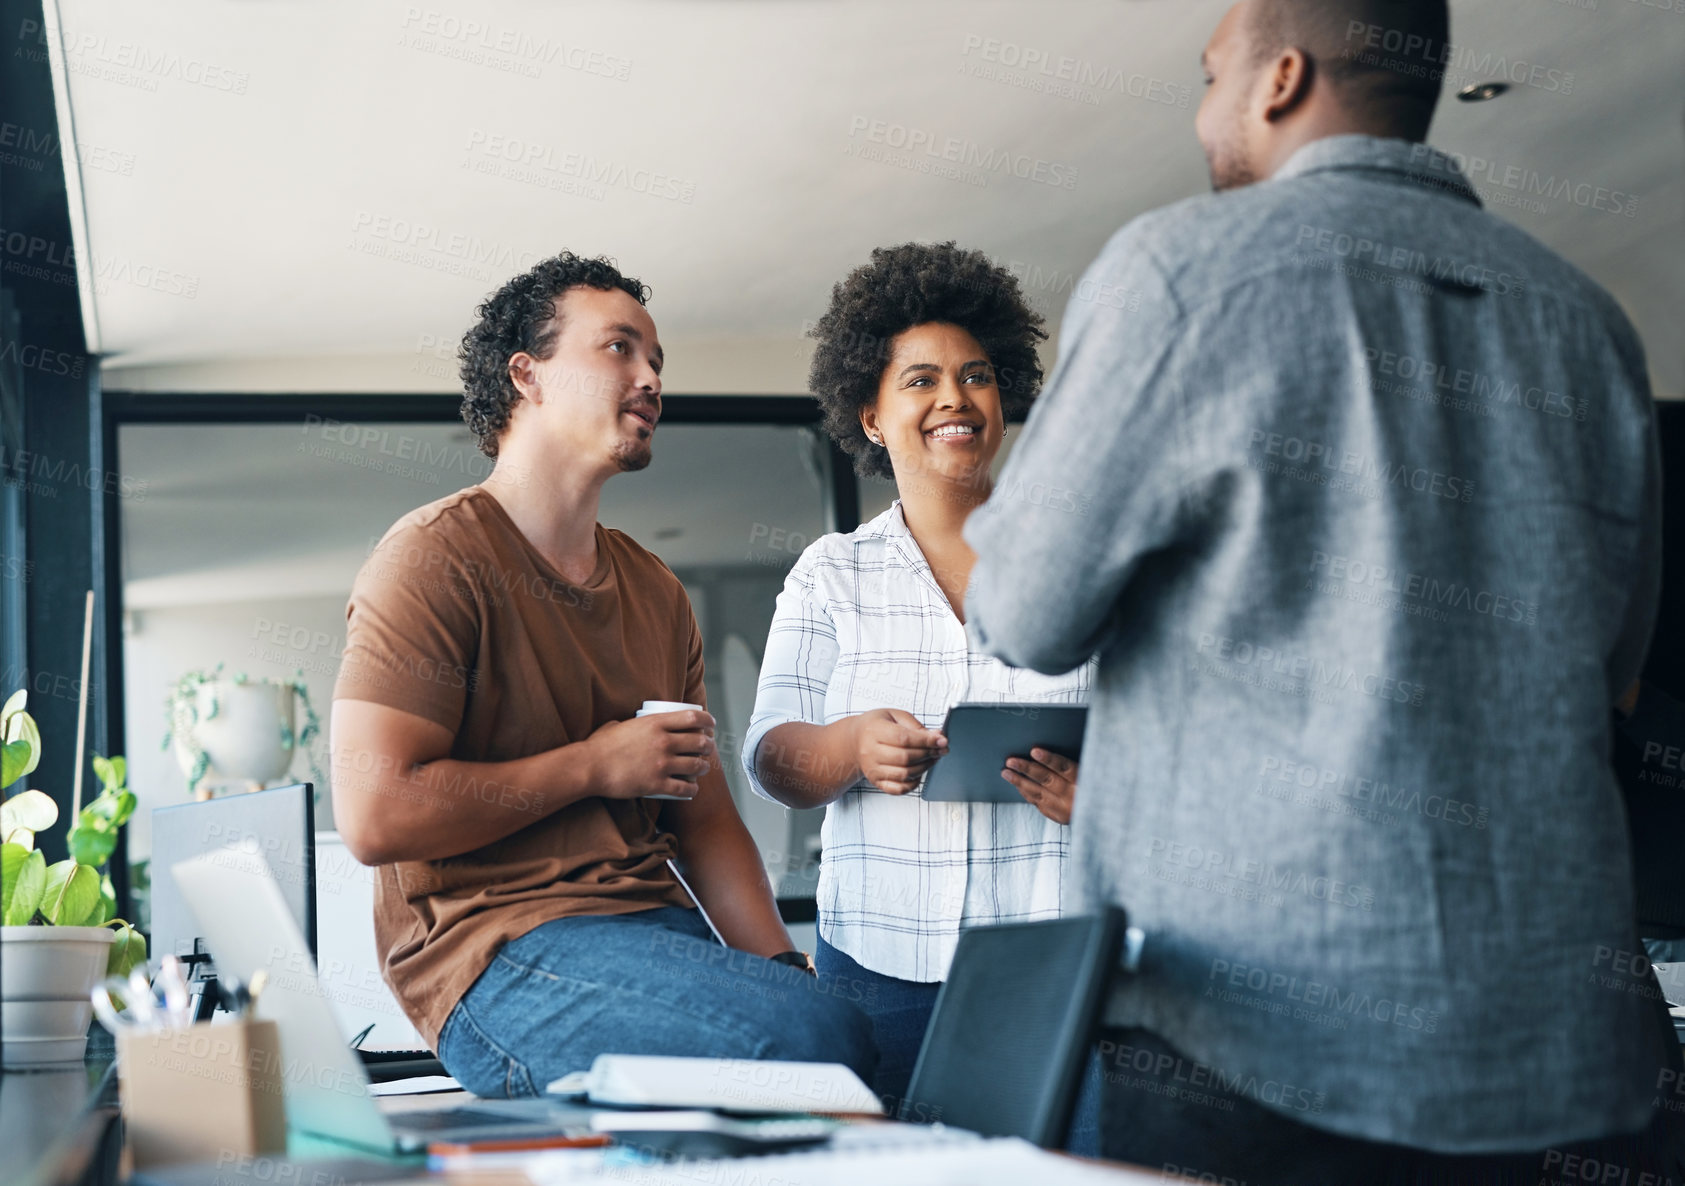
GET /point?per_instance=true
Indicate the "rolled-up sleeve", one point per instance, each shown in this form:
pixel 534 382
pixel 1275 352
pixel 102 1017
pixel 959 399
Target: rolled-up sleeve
pixel 801 653
pixel 1093 485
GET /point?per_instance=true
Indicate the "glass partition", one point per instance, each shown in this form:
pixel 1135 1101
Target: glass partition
pixel 243 550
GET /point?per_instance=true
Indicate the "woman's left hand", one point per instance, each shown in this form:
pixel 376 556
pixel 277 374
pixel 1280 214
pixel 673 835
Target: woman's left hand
pixel 1046 780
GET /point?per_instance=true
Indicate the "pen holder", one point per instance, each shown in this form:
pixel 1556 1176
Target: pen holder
pixel 198 1092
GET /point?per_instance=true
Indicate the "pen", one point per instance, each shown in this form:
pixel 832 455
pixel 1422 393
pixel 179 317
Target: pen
pixel 584 1140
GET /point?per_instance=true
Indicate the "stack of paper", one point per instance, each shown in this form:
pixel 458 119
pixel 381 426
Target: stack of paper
pixel 892 1155
pixel 730 1084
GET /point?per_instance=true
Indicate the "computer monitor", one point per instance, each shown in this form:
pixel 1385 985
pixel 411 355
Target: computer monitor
pixel 278 825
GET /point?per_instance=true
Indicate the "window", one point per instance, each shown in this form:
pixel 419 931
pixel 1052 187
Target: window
pixel 244 556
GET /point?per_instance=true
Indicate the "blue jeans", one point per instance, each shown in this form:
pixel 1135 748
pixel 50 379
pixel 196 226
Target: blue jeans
pixel 900 1011
pixel 651 982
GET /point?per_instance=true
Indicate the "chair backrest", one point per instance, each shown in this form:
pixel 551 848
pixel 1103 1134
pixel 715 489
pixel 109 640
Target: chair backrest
pixel 1012 1027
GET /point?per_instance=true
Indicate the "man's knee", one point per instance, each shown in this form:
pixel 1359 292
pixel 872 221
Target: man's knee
pixel 827 1030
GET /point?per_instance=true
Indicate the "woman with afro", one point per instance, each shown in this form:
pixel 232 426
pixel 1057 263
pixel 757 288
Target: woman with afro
pixel 925 354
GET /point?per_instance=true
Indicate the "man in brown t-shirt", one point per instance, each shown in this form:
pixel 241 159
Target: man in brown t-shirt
pixel 486 756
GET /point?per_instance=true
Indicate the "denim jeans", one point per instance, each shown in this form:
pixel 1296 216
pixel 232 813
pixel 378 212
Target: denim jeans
pixel 650 982
pixel 900 1011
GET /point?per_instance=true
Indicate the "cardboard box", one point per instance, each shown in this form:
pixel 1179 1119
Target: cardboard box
pixel 203 1091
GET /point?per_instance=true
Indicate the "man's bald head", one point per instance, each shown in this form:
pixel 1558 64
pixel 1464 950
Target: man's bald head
pixel 1282 73
pixel 1385 57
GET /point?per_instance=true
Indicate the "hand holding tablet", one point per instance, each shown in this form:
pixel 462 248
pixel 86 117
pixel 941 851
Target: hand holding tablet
pixel 894 749
pixel 986 739
pixel 1048 782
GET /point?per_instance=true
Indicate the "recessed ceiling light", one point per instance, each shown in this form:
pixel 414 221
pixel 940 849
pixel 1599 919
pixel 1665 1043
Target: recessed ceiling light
pixel 1480 92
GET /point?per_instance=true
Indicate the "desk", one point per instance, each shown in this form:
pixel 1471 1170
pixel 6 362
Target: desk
pixel 60 1126
pixel 882 1152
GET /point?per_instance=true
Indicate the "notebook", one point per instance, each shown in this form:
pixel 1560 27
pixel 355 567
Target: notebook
pixel 729 1084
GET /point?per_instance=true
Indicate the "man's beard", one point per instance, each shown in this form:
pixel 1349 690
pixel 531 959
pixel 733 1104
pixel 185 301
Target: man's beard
pixel 631 456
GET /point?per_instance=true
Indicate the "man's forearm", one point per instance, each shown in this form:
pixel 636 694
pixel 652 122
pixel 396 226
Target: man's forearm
pixel 446 807
pixel 725 869
pixel 731 881
pixel 803 765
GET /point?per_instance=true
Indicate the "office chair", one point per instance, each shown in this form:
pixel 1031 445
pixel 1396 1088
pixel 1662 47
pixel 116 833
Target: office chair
pixel 1011 1030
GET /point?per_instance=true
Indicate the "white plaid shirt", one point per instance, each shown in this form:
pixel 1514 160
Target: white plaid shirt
pixel 862 624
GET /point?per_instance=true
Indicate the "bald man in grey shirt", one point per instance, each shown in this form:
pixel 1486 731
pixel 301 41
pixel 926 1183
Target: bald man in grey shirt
pixel 1356 495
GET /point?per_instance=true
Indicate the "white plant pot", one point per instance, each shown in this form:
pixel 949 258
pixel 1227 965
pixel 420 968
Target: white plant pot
pixel 46 974
pixel 45 1017
pixel 245 740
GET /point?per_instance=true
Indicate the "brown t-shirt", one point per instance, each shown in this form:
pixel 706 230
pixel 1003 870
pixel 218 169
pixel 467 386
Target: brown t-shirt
pixel 457 618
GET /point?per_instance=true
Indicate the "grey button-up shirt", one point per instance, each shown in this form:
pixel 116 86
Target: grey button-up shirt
pixel 1354 489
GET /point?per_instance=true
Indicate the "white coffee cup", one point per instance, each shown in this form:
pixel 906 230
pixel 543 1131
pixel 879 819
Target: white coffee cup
pixel 651 708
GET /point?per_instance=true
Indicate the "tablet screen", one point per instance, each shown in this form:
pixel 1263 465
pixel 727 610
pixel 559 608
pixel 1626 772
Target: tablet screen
pixel 981 737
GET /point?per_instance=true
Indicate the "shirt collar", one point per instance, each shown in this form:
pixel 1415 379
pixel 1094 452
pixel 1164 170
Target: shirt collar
pixel 894 522
pixel 892 526
pixel 1405 162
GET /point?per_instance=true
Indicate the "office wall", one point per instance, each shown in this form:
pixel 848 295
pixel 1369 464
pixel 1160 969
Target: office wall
pixel 279 638
pixel 262 639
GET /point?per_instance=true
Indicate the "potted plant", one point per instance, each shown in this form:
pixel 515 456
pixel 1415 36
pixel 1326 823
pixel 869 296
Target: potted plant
pixel 238 729
pixel 57 921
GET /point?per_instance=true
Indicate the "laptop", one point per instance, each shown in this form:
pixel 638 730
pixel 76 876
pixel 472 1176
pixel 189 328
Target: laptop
pixel 244 918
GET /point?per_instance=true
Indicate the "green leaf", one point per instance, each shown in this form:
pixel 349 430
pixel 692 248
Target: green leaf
pixel 23 895
pixel 107 776
pixel 107 903
pixel 92 846
pixel 110 809
pixel 100 810
pixel 20 728
pixel 12 857
pixel 30 810
pixel 128 951
pixel 72 894
pixel 13 759
pixel 32 735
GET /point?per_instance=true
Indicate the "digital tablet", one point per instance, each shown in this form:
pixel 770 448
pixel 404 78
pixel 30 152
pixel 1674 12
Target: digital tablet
pixel 981 737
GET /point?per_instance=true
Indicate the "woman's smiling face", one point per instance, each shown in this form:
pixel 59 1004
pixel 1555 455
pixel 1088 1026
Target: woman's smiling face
pixel 938 407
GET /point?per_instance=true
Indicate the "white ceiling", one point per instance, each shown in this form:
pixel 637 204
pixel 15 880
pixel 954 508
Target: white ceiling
pixel 266 153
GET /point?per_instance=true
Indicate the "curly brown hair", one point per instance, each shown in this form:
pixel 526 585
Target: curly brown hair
pixel 522 316
pixel 917 284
